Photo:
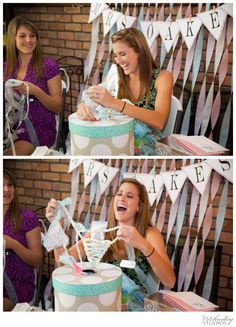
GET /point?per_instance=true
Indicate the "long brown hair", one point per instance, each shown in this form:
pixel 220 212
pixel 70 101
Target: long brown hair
pixel 142 219
pixel 135 40
pixel 14 208
pixel 12 52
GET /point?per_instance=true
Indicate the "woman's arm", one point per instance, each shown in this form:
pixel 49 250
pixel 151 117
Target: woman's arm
pixel 158 259
pixel 33 254
pixel 156 118
pixel 51 101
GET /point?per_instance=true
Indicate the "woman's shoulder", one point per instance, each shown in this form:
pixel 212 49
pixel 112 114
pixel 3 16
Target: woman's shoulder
pixel 49 61
pixel 165 74
pixel 164 78
pixel 152 232
pixel 51 67
pixel 29 219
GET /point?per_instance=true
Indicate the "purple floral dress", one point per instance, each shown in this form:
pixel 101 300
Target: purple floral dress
pixel 42 119
pixel 20 273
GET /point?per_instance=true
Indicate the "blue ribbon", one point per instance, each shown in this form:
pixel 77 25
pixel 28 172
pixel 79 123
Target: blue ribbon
pixel 224 132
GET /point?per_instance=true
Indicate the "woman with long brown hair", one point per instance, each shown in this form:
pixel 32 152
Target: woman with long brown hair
pixel 25 62
pixel 130 212
pixel 23 251
pixel 142 83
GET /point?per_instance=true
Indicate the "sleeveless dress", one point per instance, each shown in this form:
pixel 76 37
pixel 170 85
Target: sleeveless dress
pixel 146 136
pixel 133 290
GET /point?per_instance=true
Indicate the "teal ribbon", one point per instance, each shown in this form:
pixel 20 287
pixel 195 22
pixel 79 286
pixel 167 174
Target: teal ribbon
pixel 101 131
pixel 224 132
pixel 219 224
pixel 87 289
pixel 62 204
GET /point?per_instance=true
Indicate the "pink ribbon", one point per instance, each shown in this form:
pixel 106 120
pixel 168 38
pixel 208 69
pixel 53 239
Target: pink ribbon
pixel 185 253
pixel 206 228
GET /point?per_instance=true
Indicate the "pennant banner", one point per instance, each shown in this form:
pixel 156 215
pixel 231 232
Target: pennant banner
pixel 199 175
pixel 223 166
pixel 174 181
pixel 169 33
pixel 214 20
pixel 189 29
pixel 91 168
pixel 105 176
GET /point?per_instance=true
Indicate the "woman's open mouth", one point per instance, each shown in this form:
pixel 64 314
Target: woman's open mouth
pixel 121 208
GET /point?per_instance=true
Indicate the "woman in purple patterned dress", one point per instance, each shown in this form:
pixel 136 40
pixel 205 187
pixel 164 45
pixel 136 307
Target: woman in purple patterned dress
pixel 21 234
pixel 25 62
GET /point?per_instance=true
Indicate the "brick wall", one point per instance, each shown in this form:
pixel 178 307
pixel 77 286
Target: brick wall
pixel 65 32
pixel 39 180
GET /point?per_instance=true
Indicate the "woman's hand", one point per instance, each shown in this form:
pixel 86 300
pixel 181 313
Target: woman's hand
pixel 84 112
pixel 23 88
pixel 131 236
pixel 100 95
pixel 51 209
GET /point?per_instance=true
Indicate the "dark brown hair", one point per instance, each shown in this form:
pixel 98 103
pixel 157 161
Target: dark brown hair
pixel 12 52
pixel 14 208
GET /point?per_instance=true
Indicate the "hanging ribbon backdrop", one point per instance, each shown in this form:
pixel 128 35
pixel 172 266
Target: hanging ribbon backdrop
pixel 101 181
pixel 216 23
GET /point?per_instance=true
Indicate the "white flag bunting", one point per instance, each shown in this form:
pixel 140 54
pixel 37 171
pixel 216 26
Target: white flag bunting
pixel 155 189
pixel 169 32
pixel 125 22
pixel 150 31
pixel 74 163
pixel 95 10
pixel 91 168
pixel 174 181
pixel 189 29
pixel 224 167
pixel 105 176
pixel 199 175
pixel 110 17
pixel 214 20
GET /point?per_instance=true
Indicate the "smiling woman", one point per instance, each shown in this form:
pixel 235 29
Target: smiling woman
pixel 41 82
pixel 21 233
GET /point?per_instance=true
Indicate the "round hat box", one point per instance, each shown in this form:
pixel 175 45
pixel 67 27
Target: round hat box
pixel 114 136
pixel 99 291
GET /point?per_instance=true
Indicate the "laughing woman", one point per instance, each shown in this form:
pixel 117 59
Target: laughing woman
pixel 140 82
pixel 131 214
